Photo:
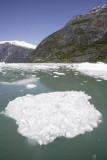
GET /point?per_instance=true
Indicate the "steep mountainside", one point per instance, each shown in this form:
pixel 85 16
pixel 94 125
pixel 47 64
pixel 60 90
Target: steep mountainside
pixel 14 51
pixel 84 38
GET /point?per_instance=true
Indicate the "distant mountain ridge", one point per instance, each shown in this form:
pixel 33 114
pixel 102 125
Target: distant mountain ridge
pixel 14 51
pixel 83 38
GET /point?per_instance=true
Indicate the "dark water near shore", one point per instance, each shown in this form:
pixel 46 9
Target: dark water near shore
pixel 89 146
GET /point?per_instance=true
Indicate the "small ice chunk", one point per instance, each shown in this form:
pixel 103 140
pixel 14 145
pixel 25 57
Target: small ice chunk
pixel 99 140
pixel 82 84
pixel 22 74
pixel 99 80
pixel 58 73
pixel 94 157
pixel 33 75
pixel 76 73
pixel 30 86
pixel 85 81
pixel 56 76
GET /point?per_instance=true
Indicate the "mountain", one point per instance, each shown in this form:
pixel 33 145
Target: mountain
pixel 14 51
pixel 83 38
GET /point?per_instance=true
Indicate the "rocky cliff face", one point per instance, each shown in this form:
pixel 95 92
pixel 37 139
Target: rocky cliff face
pixel 14 51
pixel 84 38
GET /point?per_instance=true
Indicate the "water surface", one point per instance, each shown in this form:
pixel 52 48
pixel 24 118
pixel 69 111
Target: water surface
pixel 88 146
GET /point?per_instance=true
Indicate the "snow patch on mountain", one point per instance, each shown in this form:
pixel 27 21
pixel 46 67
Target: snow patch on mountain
pixel 19 43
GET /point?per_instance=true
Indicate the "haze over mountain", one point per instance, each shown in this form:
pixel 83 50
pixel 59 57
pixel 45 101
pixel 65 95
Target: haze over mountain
pixel 83 38
pixel 14 51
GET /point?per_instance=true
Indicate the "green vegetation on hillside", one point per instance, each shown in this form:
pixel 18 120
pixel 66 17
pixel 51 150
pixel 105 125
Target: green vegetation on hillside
pixel 84 38
pixel 81 21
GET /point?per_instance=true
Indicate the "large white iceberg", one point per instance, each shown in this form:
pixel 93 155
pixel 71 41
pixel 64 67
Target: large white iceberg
pixel 46 116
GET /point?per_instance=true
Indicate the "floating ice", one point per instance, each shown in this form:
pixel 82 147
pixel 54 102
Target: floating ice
pixel 20 82
pixel 21 90
pixel 94 157
pixel 29 66
pixel 82 84
pixel 96 70
pixel 58 73
pixel 47 116
pixel 99 80
pixel 55 76
pixel 33 75
pixel 76 73
pixel 30 86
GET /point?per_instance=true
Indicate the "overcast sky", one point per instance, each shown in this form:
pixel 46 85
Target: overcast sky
pixel 33 20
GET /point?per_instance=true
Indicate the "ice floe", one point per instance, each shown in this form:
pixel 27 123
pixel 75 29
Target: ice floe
pixel 30 86
pixel 30 66
pixel 58 73
pixel 55 76
pixel 94 157
pixel 21 90
pixel 46 116
pixel 99 80
pixel 20 82
pixel 96 70
pixel 85 81
pixel 82 84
